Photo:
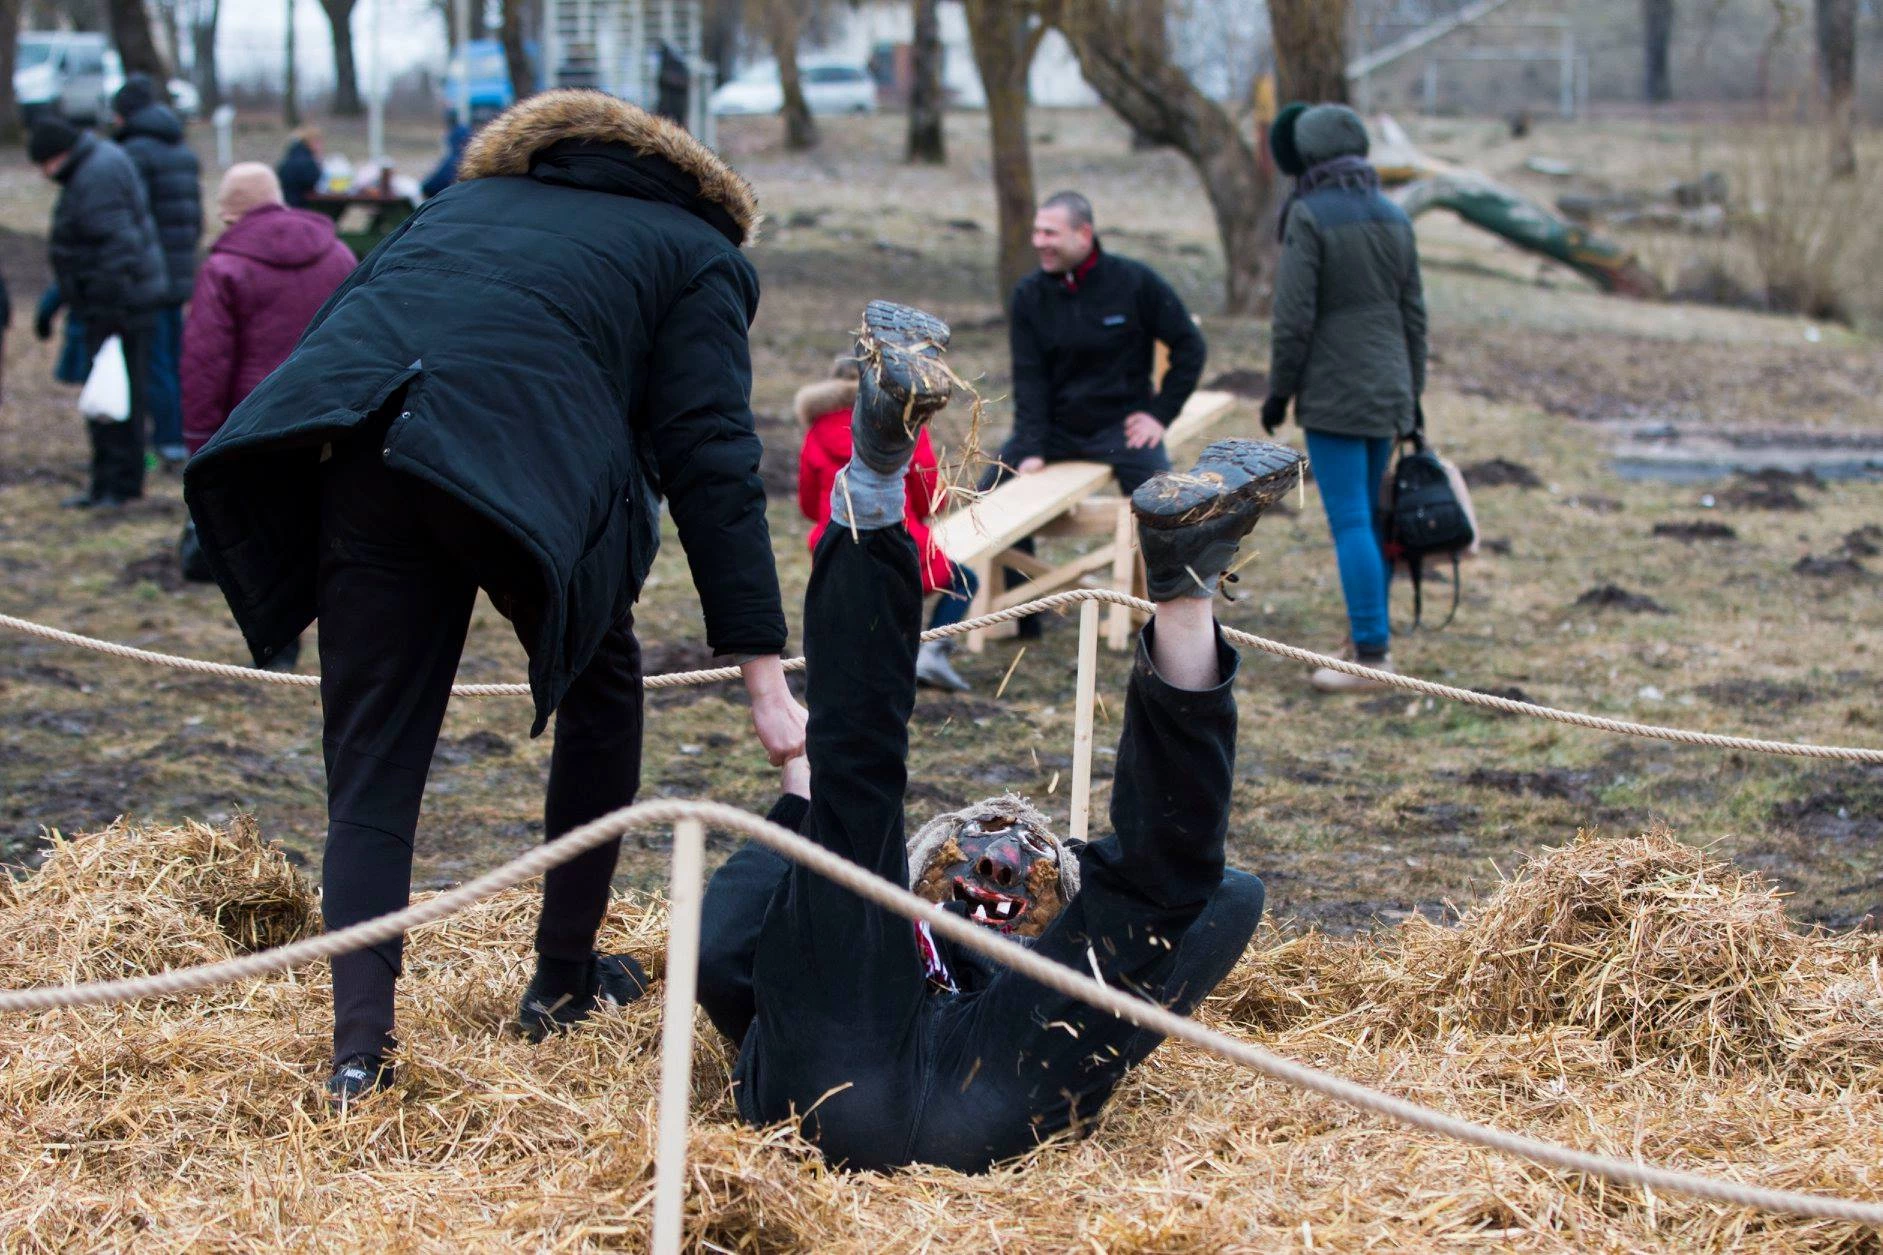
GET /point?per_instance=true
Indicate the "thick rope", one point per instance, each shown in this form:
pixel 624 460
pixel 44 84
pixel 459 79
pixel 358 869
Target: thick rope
pixel 682 679
pixel 1129 1007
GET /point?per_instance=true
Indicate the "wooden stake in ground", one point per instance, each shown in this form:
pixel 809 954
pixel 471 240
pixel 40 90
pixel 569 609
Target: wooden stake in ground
pixel 684 893
pixel 1087 684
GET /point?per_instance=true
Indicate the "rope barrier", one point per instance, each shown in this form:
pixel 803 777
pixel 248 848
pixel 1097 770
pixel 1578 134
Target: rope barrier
pixel 1130 1007
pixel 1056 601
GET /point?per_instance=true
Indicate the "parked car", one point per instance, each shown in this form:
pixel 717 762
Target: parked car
pixel 491 90
pixel 830 86
pixel 76 74
pixel 64 72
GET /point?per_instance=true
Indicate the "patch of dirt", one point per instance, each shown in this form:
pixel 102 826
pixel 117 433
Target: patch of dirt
pixel 160 568
pixel 1697 529
pixel 1769 490
pixel 1864 542
pixel 1615 597
pixel 1554 782
pixel 1500 473
pixel 1847 805
pixel 942 709
pixel 778 464
pixel 457 751
pixel 1765 695
pixel 1594 503
pixel 664 657
pixel 1244 383
pixel 1837 566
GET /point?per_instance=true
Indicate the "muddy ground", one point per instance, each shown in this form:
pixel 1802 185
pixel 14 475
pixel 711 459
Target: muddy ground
pixel 1764 620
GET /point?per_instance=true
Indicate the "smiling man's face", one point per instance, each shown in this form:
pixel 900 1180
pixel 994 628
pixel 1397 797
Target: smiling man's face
pixel 1004 872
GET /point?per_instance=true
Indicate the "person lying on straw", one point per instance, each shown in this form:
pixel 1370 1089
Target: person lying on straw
pixel 890 1046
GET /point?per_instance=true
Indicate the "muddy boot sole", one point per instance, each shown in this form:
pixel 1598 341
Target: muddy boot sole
pixel 1191 523
pixel 903 383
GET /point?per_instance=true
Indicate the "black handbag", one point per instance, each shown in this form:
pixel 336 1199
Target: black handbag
pixel 1428 511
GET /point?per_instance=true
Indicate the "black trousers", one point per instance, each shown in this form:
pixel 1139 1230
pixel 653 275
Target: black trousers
pixel 838 1022
pixel 1131 467
pixel 118 448
pixel 400 566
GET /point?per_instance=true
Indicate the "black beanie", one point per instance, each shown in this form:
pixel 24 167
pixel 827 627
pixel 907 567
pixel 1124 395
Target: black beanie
pixel 52 136
pixel 138 91
pixel 1281 140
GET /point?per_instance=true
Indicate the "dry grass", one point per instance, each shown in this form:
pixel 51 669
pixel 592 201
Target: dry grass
pixel 1814 240
pixel 1635 997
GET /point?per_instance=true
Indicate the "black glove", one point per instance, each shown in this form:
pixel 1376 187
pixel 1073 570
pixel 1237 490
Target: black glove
pixel 1274 413
pixel 42 324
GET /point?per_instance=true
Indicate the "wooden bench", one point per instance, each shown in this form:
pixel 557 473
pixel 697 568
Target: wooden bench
pixel 1054 502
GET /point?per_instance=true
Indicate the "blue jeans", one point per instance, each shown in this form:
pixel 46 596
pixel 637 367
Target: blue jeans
pixel 166 385
pixel 1348 471
pixel 952 606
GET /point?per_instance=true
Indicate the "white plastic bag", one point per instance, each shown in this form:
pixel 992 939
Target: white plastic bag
pixel 106 397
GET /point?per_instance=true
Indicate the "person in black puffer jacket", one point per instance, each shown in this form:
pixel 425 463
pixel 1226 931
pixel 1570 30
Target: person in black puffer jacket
pixel 110 269
pixel 501 396
pixel 152 135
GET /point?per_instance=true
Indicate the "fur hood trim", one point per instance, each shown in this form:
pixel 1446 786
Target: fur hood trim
pixel 824 396
pixel 932 835
pixel 507 144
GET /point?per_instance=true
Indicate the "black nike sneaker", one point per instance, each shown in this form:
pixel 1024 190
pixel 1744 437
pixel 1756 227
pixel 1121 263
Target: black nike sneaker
pixel 903 383
pixel 613 980
pixel 355 1077
pixel 1190 523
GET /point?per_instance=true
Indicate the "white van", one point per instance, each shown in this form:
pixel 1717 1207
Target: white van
pixel 65 72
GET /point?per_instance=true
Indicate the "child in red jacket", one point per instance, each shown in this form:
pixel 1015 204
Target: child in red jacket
pixel 824 409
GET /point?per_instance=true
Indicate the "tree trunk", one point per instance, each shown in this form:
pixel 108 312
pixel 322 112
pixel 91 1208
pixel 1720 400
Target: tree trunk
pixel 130 31
pixel 9 48
pixel 291 79
pixel 516 52
pixel 927 145
pixel 784 23
pixel 1004 45
pixel 1657 30
pixel 1310 50
pixel 346 79
pixel 1837 76
pixel 203 48
pixel 1157 98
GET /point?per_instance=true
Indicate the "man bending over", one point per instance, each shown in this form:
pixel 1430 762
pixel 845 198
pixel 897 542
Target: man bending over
pixel 891 1046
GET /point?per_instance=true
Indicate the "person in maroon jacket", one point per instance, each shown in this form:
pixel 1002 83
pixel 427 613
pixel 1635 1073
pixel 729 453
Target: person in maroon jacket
pixel 264 280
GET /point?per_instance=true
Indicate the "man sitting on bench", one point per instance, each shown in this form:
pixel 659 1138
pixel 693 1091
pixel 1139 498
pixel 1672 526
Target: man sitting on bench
pixel 890 1046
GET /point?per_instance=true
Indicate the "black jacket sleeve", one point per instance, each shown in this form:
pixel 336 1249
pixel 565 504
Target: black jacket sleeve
pixel 1032 387
pixel 1172 324
pixel 699 428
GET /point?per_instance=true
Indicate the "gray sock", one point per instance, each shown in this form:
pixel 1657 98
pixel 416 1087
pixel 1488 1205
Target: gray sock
pixel 866 499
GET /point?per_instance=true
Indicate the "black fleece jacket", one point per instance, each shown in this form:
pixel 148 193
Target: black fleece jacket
pixel 1082 352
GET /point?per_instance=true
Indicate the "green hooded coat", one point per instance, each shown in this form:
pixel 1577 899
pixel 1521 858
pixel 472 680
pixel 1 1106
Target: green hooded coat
pixel 1349 321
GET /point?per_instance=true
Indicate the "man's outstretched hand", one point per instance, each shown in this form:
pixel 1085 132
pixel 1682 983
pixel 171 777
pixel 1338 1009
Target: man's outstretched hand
pixel 776 715
pixel 1142 431
pixel 1029 466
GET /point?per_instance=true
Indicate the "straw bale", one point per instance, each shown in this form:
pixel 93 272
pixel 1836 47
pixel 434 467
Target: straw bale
pixel 196 1123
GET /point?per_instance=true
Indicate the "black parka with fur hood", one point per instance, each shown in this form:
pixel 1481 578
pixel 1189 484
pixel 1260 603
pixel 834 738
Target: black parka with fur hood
pixel 559 341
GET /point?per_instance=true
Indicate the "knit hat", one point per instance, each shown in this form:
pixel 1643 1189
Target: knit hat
pixel 52 137
pixel 138 92
pixel 1281 140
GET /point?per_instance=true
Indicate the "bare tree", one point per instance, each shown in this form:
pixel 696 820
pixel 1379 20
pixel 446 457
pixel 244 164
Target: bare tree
pixel 927 143
pixel 1158 99
pixel 516 49
pixel 204 16
pixel 1005 35
pixel 1657 32
pixel 291 79
pixel 346 77
pixel 784 27
pixel 130 31
pixel 1310 50
pixel 9 48
pixel 1837 78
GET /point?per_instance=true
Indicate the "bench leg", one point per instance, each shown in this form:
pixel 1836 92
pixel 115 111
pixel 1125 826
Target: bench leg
pixel 983 599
